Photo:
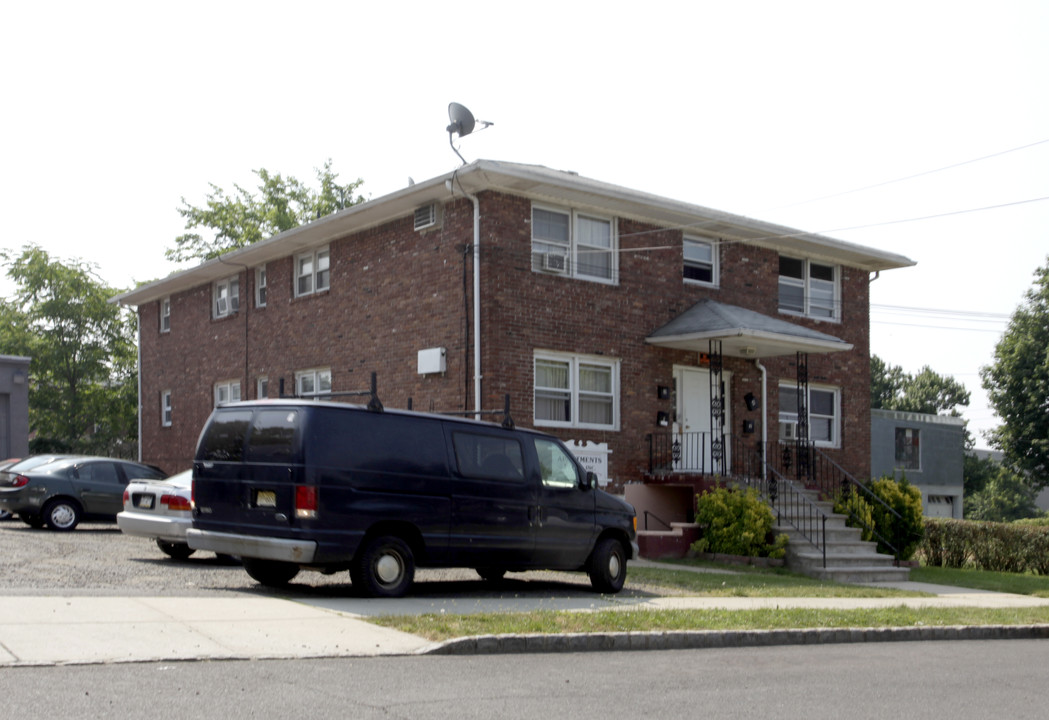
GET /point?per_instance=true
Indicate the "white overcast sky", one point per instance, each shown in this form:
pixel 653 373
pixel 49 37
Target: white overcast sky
pixel 784 111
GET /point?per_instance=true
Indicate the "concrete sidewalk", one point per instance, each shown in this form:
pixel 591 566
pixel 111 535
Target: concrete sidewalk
pixel 90 630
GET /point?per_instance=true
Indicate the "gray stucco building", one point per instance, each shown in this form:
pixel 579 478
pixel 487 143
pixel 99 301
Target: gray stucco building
pixel 14 406
pixel 926 449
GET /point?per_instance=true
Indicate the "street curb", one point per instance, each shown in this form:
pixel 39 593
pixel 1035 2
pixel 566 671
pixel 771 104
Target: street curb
pixel 704 639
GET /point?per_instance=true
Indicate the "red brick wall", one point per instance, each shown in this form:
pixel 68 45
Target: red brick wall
pixel 395 291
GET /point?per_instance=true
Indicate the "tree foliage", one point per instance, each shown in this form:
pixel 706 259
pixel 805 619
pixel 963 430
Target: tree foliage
pixel 1017 384
pixel 926 392
pixel 244 217
pixel 83 381
pixel 1005 498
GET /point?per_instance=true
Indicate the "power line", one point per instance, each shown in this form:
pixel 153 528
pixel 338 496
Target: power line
pixel 916 175
pixel 702 224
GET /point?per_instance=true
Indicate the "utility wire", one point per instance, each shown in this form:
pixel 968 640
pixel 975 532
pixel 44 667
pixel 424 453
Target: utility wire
pixel 916 175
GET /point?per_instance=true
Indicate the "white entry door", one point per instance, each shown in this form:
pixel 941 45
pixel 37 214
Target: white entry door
pixel 692 430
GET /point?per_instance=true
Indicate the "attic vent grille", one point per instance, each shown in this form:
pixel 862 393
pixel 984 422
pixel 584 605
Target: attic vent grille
pixel 426 216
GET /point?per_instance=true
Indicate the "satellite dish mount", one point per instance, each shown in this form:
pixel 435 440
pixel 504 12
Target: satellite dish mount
pixel 461 122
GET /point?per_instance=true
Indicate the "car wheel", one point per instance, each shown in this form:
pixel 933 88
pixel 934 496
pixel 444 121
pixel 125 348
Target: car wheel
pixel 271 573
pixel 492 575
pixel 61 514
pixel 179 551
pixel 383 567
pixel 607 567
pixel 4 514
pixel 33 521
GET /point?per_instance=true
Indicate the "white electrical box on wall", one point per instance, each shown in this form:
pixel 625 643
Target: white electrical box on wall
pixel 432 360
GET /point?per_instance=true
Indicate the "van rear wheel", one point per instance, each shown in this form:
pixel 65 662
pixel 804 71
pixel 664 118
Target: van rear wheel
pixel 607 567
pixel 271 573
pixel 384 567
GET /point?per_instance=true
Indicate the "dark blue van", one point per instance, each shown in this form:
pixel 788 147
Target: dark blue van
pixel 289 485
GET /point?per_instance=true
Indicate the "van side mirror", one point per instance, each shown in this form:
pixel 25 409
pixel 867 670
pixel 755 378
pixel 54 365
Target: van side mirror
pixel 590 480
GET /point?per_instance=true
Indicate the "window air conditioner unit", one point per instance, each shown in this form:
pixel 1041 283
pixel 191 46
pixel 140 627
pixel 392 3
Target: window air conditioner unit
pixel 555 262
pixel 426 216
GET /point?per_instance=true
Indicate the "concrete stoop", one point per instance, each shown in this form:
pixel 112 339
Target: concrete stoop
pixel 849 559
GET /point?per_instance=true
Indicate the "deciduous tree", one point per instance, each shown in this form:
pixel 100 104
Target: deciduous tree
pixel 925 392
pixel 83 387
pixel 1017 384
pixel 243 217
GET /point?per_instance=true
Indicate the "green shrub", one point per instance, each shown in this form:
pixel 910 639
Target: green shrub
pixel 858 513
pixel 999 547
pixel 906 531
pixel 737 522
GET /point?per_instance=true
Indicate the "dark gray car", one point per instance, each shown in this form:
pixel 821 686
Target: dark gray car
pixel 60 491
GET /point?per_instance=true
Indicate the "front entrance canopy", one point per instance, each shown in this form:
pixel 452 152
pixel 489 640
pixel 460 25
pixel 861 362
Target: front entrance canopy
pixel 742 332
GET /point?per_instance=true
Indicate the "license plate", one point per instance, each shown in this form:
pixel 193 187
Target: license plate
pixel 265 498
pixel 145 502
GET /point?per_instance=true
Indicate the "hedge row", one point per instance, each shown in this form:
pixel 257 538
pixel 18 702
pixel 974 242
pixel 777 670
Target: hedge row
pixel 1000 547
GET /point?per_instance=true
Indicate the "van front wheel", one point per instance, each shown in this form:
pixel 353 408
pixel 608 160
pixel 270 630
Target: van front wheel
pixel 383 567
pixel 607 568
pixel 271 573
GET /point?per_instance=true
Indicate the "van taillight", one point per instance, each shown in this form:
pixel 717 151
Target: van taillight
pixel 305 501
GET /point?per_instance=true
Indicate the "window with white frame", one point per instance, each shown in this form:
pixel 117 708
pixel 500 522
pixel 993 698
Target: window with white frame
pixel 313 383
pixel 227 392
pixel 908 449
pixel 808 288
pixel 165 315
pixel 824 415
pixel 260 286
pixel 574 244
pixel 262 387
pixel 226 297
pixel 165 408
pixel 576 391
pixel 312 272
pixel 701 261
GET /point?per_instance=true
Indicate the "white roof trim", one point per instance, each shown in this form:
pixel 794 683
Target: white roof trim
pixel 536 182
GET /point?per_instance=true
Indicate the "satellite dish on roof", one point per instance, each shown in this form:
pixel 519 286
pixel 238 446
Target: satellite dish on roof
pixel 461 119
pixel 461 122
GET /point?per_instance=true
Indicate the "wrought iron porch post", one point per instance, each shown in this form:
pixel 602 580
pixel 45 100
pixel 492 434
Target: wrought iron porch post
pixel 803 464
pixel 717 409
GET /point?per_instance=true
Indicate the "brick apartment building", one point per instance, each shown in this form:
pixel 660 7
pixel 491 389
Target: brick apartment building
pixel 607 315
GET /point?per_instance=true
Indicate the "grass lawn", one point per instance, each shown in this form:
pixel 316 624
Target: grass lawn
pixel 742 582
pixel 1020 584
pixel 446 626
pixel 749 582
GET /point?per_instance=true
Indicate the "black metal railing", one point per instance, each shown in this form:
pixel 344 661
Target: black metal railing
pixel 649 513
pixel 786 498
pixel 689 452
pixel 780 471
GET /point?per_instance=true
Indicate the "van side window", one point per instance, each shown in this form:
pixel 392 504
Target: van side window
pixel 557 468
pixel 224 438
pixel 383 443
pixel 273 436
pixel 488 457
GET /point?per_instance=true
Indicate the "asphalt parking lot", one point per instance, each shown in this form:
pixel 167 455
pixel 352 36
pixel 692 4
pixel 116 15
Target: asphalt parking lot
pixel 96 559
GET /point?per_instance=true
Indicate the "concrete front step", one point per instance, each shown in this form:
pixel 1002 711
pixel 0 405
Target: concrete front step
pixel 833 534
